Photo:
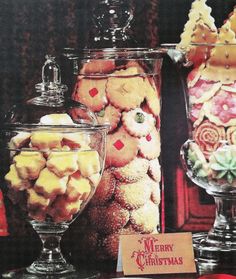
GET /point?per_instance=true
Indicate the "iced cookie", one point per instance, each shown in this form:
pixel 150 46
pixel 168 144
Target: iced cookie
pixel 208 136
pixel 149 146
pixel 137 122
pixel 62 163
pixel 221 109
pixel 49 184
pixel 121 148
pixel 231 135
pixel 20 140
pixel 91 92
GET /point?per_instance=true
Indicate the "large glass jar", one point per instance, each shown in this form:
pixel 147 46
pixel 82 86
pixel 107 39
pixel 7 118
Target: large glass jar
pixel 53 155
pixel 122 88
pixel 209 154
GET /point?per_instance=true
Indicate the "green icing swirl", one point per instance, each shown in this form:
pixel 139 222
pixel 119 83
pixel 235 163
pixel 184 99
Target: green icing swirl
pixel 223 163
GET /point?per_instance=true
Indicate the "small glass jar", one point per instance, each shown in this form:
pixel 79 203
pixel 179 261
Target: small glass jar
pixel 53 152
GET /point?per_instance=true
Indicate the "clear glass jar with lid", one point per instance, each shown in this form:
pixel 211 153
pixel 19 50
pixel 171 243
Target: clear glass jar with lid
pixel 121 85
pixel 53 152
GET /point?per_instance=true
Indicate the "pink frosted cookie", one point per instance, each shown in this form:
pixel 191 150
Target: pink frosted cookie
pixel 221 109
pixel 137 122
pixel 203 91
pixel 133 195
pixel 149 146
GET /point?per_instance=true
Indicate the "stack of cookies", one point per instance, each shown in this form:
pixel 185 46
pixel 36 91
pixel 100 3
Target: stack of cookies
pixel 52 174
pixel 211 94
pixel 127 199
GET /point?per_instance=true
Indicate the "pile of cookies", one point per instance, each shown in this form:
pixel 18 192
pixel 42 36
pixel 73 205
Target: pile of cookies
pixel 211 87
pixel 128 196
pixel 52 173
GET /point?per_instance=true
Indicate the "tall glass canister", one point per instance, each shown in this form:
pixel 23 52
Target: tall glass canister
pixel 122 88
pixel 209 155
pixel 121 85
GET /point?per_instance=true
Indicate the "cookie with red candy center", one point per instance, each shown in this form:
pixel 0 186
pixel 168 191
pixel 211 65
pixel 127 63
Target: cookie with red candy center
pixel 91 92
pixel 149 146
pixel 121 148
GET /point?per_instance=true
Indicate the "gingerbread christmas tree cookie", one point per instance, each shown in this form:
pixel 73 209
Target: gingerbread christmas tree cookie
pixel 200 19
pixel 232 19
pixel 221 65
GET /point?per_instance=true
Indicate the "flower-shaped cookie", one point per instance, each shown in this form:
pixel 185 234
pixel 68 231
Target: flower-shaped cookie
pixel 209 137
pixel 223 163
pixel 221 109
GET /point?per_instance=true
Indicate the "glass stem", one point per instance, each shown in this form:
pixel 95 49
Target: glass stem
pixel 51 250
pixel 51 260
pixel 224 228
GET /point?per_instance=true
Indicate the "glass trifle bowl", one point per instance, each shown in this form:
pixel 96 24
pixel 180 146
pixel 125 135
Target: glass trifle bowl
pixel 54 154
pixel 208 78
pixel 122 87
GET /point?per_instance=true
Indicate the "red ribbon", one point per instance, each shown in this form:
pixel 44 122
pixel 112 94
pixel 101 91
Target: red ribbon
pixel 217 276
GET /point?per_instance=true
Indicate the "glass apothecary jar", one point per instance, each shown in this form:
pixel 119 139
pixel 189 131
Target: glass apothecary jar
pixel 208 78
pixel 53 155
pixel 122 88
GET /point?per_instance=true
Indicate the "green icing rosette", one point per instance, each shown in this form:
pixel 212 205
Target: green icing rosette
pixel 222 162
pixel 197 160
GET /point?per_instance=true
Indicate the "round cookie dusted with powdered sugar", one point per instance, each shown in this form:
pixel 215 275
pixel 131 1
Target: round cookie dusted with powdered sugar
pixel 121 148
pixel 133 195
pixel 154 170
pixel 146 218
pixel 137 122
pixel 105 188
pixel 133 171
pixel 149 146
pixel 111 241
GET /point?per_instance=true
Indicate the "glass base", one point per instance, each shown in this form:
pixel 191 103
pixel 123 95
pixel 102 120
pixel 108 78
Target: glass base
pixel 213 258
pixel 24 274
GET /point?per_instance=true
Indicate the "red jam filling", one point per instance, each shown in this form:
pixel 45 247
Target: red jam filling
pixel 93 92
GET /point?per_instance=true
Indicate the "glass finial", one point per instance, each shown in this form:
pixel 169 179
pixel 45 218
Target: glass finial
pixel 112 22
